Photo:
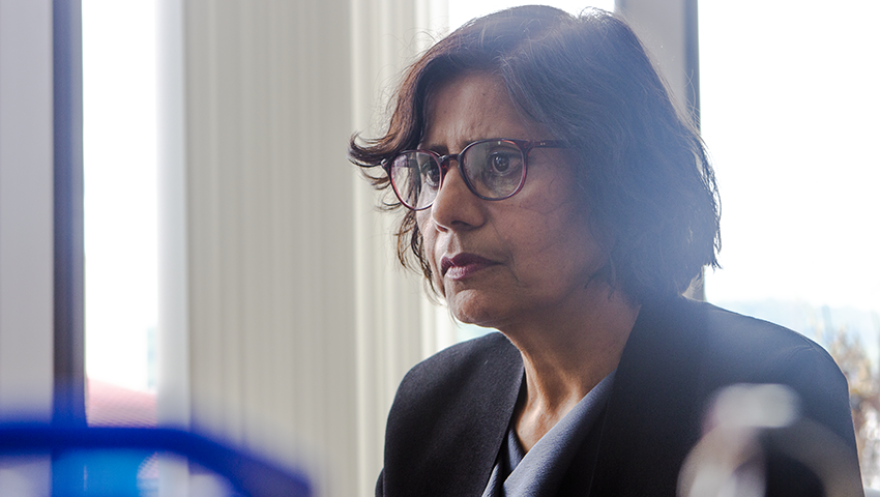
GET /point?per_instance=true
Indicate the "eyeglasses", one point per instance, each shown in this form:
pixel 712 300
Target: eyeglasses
pixel 492 170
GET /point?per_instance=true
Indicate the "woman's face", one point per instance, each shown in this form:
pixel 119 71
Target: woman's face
pixel 510 262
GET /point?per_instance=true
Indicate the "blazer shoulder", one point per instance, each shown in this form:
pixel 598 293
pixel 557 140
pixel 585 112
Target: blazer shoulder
pixel 749 350
pixel 466 361
pixel 728 345
pixel 775 346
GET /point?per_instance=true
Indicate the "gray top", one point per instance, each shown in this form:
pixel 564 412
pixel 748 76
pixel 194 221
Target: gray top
pixel 538 472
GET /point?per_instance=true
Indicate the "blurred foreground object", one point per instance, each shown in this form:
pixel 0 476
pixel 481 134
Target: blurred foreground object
pixel 746 427
pixel 42 460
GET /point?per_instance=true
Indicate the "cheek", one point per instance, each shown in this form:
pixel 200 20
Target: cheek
pixel 556 240
pixel 549 191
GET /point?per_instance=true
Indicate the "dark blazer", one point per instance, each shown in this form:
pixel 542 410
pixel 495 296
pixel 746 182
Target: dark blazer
pixel 452 410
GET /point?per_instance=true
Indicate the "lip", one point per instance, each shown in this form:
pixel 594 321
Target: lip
pixel 463 265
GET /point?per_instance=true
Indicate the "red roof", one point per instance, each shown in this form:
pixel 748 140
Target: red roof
pixel 112 405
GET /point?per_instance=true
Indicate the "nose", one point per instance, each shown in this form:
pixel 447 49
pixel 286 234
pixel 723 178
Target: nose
pixel 455 207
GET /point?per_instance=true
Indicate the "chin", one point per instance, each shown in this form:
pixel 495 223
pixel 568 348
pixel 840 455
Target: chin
pixel 471 311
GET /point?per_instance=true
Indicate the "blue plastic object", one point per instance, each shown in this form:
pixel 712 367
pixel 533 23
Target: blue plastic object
pixel 106 461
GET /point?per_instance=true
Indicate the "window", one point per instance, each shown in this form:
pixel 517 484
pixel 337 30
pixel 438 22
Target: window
pixel 788 103
pixel 119 100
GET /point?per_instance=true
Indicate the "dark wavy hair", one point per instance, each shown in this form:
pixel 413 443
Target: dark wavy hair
pixel 588 81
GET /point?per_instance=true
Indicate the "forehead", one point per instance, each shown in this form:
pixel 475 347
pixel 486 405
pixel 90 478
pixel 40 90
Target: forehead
pixel 473 106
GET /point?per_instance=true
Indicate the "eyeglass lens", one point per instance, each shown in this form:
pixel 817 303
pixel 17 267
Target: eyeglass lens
pixel 492 169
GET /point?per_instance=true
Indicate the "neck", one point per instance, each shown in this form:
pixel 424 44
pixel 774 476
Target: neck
pixel 566 357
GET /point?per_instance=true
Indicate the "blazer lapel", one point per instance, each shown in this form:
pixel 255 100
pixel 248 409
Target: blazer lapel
pixel 654 411
pixel 486 421
pixel 448 446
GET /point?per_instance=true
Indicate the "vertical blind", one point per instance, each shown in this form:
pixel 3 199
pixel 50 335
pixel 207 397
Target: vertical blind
pixel 299 325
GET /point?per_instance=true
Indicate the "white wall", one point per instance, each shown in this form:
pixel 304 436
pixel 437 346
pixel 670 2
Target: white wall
pixel 26 165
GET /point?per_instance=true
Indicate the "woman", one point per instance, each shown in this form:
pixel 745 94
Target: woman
pixel 552 191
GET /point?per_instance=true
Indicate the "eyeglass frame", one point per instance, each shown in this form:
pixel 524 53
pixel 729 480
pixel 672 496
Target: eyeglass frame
pixel 524 146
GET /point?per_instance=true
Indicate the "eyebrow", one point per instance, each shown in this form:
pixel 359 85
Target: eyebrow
pixel 440 149
pixel 443 149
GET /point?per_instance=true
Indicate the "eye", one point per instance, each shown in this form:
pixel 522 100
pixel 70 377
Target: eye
pixel 429 172
pixel 500 163
pixel 494 168
pixel 503 162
